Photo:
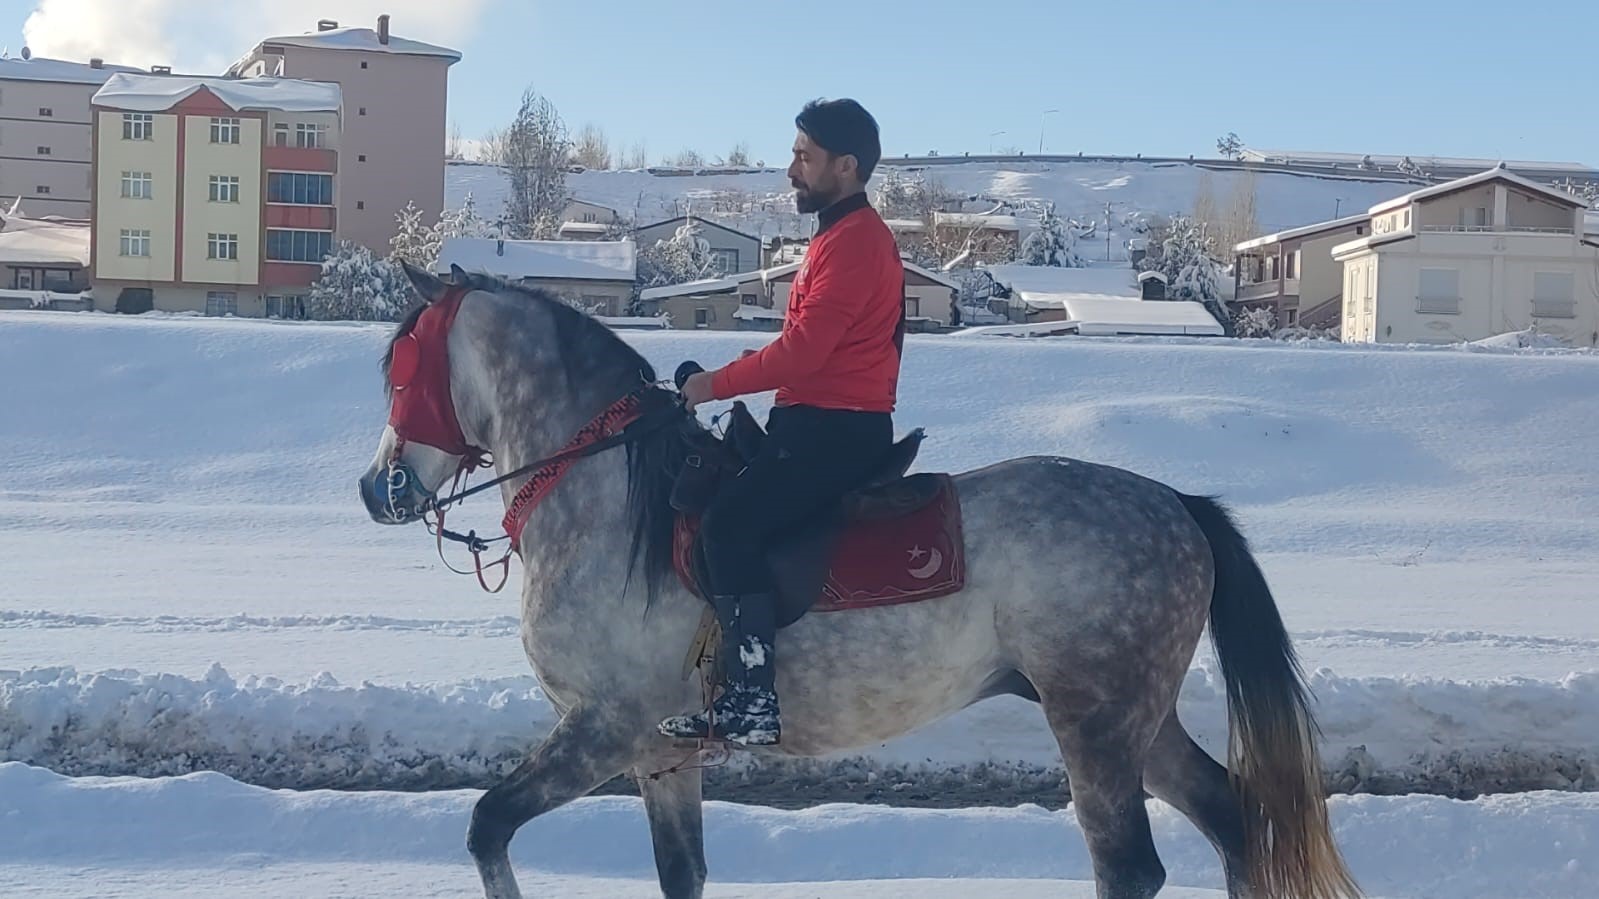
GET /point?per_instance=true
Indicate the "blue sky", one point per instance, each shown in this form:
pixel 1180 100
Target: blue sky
pixel 1157 77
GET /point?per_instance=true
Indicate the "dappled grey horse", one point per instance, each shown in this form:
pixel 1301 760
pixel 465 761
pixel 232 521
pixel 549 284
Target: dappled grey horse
pixel 1087 591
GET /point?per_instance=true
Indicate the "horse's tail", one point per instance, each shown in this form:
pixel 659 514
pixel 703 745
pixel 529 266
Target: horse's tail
pixel 1271 750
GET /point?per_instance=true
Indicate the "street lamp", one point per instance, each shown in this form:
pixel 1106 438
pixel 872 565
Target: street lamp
pixel 991 137
pixel 1041 129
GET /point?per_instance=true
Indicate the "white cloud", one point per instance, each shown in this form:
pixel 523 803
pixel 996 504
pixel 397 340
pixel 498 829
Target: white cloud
pixel 205 36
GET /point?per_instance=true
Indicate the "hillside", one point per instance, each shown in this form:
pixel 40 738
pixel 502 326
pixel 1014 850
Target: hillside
pixel 761 203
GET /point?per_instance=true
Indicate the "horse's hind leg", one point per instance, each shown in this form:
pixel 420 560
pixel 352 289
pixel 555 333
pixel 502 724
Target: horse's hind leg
pixel 1104 751
pixel 585 750
pixel 677 830
pixel 1184 776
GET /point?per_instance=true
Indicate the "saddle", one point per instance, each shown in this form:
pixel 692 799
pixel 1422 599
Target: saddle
pixel 895 538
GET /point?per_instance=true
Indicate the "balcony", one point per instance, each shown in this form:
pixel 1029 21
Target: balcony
pixel 1266 290
pixel 1492 229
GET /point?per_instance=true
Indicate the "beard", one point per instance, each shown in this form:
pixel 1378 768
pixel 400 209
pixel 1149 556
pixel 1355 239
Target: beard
pixel 808 200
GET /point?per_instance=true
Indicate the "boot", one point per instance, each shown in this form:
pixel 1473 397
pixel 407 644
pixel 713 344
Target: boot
pixel 746 713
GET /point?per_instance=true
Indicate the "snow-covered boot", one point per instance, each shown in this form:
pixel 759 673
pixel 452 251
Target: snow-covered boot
pixel 746 713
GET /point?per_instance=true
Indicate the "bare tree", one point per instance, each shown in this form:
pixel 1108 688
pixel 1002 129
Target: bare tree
pixel 494 145
pixel 536 153
pixel 687 159
pixel 740 157
pixel 592 150
pixel 1205 200
pixel 638 156
pixel 1230 146
pixel 1241 222
pixel 452 143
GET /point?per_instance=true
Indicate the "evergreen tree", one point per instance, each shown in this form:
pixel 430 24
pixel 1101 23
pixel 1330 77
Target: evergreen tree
pixel 683 258
pixel 1053 244
pixel 356 285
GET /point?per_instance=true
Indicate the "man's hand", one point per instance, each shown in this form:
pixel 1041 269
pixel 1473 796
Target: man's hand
pixel 697 389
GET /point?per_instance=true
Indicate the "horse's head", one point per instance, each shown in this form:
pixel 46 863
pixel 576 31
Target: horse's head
pixel 422 446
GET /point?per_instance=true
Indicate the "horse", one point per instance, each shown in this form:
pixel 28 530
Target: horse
pixel 1088 588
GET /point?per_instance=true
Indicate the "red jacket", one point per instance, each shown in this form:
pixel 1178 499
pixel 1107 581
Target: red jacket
pixel 841 340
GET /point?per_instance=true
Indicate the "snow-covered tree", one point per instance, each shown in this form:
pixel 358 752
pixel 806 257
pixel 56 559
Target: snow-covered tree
pixel 1053 244
pixel 1256 321
pixel 536 151
pixel 356 285
pixel 463 221
pixel 414 241
pixel 683 258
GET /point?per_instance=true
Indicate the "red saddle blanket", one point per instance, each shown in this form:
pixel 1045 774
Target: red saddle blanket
pixel 877 561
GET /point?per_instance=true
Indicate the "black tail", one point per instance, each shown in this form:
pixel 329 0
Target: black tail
pixel 1271 751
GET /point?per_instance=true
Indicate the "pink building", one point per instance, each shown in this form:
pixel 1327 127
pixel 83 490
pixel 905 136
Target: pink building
pixel 394 118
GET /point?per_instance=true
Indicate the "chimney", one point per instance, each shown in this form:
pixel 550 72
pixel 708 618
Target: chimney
pixel 383 29
pixel 326 25
pixel 161 70
pixel 96 63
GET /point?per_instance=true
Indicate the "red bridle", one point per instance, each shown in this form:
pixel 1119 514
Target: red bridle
pixel 423 411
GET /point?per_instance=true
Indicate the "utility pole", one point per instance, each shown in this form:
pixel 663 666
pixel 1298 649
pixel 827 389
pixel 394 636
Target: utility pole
pixel 991 137
pixel 1041 129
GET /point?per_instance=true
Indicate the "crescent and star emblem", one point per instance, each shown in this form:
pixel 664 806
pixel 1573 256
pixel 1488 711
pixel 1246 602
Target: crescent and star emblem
pixel 935 561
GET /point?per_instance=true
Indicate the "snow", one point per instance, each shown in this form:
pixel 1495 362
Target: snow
pixel 158 93
pixel 1348 221
pixel 702 286
pixel 43 242
pixel 60 71
pixel 1484 177
pixel 977 220
pixel 121 836
pixel 1044 286
pixel 588 260
pixel 1389 161
pixel 191 582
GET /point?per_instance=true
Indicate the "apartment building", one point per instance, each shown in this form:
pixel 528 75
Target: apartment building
pixel 212 195
pixel 394 93
pixel 45 133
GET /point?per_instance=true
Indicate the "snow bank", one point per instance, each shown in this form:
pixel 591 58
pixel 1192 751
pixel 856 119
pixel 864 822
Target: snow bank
pixel 1531 845
pixel 1382 735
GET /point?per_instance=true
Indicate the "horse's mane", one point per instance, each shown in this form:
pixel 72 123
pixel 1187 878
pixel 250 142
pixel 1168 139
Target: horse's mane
pixel 592 353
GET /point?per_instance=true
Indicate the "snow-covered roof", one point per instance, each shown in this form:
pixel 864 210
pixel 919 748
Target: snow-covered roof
pixel 157 93
pixel 1552 193
pixel 43 242
pixel 583 228
pixel 1390 161
pixel 758 313
pixel 1153 276
pixel 933 276
pixel 1348 221
pixel 364 39
pixel 1046 287
pixel 567 260
pixel 977 220
pixel 1104 317
pixel 909 226
pixel 59 71
pixel 695 288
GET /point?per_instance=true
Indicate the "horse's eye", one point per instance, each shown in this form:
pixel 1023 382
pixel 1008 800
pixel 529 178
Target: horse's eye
pixel 404 362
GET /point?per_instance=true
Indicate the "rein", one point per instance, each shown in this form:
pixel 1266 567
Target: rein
pixel 623 422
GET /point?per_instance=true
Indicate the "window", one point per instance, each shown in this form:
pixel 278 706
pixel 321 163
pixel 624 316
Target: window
pixel 218 302
pixel 308 135
pixel 724 262
pixel 363 110
pixel 749 299
pixel 361 158
pixel 360 204
pixel 300 188
pixel 135 242
pixel 138 126
pixel 1554 295
pixel 1440 291
pixel 363 63
pixel 42 189
pixel 280 134
pixel 702 317
pixel 224 188
pixel 1474 217
pixel 913 307
pixel 1293 258
pixel 137 185
pixel 285 307
pixel 284 245
pixel 47 112
pixel 43 151
pixel 225 131
pixel 588 217
pixel 222 246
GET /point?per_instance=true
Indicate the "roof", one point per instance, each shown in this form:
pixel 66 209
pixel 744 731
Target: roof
pixel 1371 240
pixel 1047 287
pixel 907 225
pixel 1552 193
pixel 694 288
pixel 363 39
pixel 59 71
pixel 933 276
pixel 584 227
pixel 1101 316
pixel 157 93
pixel 699 220
pixel 1348 221
pixel 567 260
pixel 44 242
pixel 978 220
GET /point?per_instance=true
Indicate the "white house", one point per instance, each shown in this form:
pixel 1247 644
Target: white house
pixel 732 251
pixel 594 274
pixel 582 220
pixel 1293 273
pixel 1482 255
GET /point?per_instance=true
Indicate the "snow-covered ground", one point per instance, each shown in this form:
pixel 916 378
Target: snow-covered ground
pixel 189 582
pixel 119 836
pixel 761 203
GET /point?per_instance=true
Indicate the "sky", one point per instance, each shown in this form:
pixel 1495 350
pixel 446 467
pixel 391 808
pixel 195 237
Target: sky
pixel 1158 77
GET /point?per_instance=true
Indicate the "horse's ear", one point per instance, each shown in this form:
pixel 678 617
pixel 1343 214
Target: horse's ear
pixel 430 288
pixel 457 274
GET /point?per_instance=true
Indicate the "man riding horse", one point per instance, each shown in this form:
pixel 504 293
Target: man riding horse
pixel 836 371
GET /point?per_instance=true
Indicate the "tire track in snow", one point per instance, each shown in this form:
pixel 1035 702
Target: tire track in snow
pixel 499 626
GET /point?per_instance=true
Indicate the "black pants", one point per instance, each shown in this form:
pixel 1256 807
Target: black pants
pixel 810 459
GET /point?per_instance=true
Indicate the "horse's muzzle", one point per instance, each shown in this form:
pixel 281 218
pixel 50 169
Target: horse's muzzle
pixel 393 495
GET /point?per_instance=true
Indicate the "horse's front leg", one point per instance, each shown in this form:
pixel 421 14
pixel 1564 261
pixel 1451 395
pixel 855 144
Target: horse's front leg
pixel 587 748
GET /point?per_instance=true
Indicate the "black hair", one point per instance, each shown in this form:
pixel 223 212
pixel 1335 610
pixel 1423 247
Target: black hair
pixel 844 128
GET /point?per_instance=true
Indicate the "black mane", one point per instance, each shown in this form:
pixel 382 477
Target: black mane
pixel 593 353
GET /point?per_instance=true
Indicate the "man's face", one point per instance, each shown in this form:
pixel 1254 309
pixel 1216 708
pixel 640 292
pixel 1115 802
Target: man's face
pixel 816 175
